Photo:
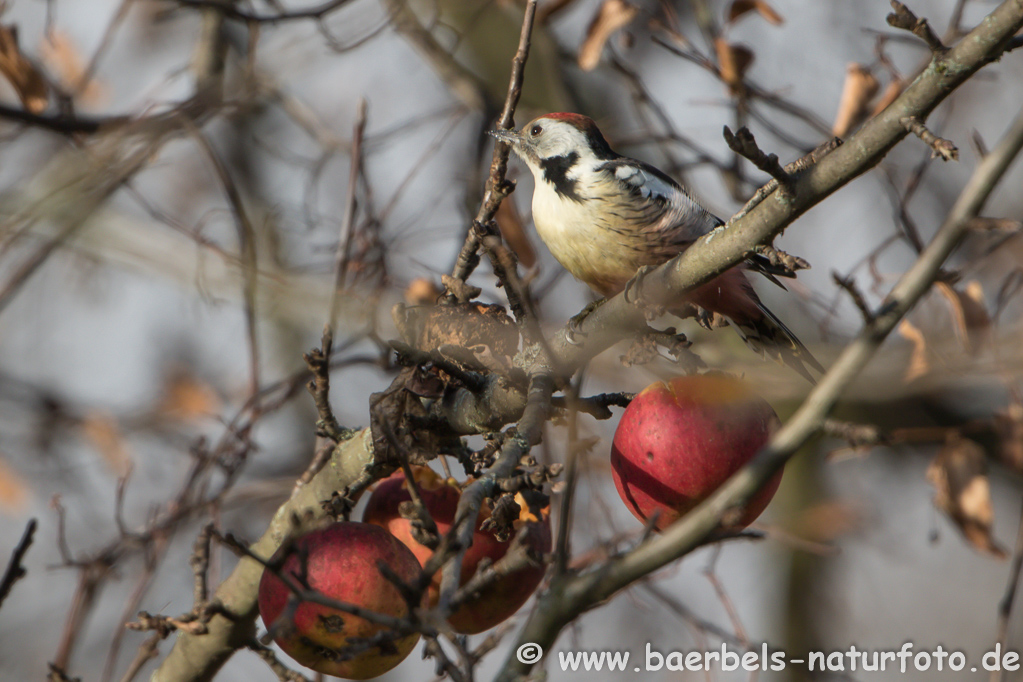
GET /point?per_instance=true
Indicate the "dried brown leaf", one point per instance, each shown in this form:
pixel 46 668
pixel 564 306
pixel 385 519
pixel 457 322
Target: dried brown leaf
pixel 972 322
pixel 64 60
pixel 642 351
pixel 187 397
pixel 514 233
pixel 740 7
pixel 21 73
pixel 859 88
pixel 102 430
pixel 827 521
pixel 769 13
pixel 422 291
pixel 890 93
pixel 612 16
pixel 959 476
pixel 14 491
pixel 733 61
pixel 919 364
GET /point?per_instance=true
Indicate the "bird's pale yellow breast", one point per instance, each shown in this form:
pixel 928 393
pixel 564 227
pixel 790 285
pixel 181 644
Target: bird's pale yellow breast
pixel 576 235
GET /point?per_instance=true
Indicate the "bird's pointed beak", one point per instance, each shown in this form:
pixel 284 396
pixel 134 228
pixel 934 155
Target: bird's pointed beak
pixel 509 136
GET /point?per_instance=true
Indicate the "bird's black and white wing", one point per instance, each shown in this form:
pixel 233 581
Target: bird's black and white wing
pixel 671 218
pixel 674 218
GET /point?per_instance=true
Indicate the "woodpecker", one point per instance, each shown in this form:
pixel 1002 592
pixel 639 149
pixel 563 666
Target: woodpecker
pixel 604 216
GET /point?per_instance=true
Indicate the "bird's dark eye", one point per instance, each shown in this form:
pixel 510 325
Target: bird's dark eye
pixel 535 130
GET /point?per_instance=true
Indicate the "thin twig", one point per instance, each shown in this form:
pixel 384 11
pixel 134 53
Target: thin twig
pixel 247 246
pixel 939 146
pixel 1009 598
pixel 849 285
pixel 283 672
pixel 200 563
pixel 856 435
pixel 573 451
pixel 318 361
pixel 15 570
pixel 904 18
pixel 344 245
pixel 498 187
pixel 743 143
pixel 794 168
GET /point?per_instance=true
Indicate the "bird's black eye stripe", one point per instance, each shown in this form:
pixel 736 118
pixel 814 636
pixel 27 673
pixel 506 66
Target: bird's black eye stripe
pixel 535 130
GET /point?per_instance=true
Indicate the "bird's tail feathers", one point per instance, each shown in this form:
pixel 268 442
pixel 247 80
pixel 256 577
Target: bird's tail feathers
pixel 769 336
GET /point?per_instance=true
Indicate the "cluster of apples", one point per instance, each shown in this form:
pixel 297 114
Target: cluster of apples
pixel 341 561
pixel 675 445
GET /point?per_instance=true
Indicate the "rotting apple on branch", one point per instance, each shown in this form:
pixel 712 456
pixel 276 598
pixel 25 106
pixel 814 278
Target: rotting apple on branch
pixel 677 442
pixel 340 561
pixel 497 600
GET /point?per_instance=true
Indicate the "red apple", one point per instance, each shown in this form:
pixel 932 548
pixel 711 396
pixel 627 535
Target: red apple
pixel 341 563
pixel 678 442
pixel 501 599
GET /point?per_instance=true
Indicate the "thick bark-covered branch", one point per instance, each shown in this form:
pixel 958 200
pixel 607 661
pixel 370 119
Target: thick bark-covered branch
pixel 197 658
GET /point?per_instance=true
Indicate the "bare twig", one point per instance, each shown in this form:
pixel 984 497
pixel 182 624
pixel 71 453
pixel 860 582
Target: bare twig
pixel 498 187
pixel 726 601
pixel 597 406
pixel 320 458
pixel 318 361
pixel 344 245
pixel 200 563
pixel 15 570
pixel 849 285
pixel 247 246
pixel 742 142
pixel 283 672
pixel 796 167
pixel 1009 598
pixel 63 123
pixel 939 146
pixel 148 650
pixel 904 18
pixel 563 549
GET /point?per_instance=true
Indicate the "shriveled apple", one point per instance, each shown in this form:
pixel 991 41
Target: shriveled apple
pixel 340 561
pixel 677 442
